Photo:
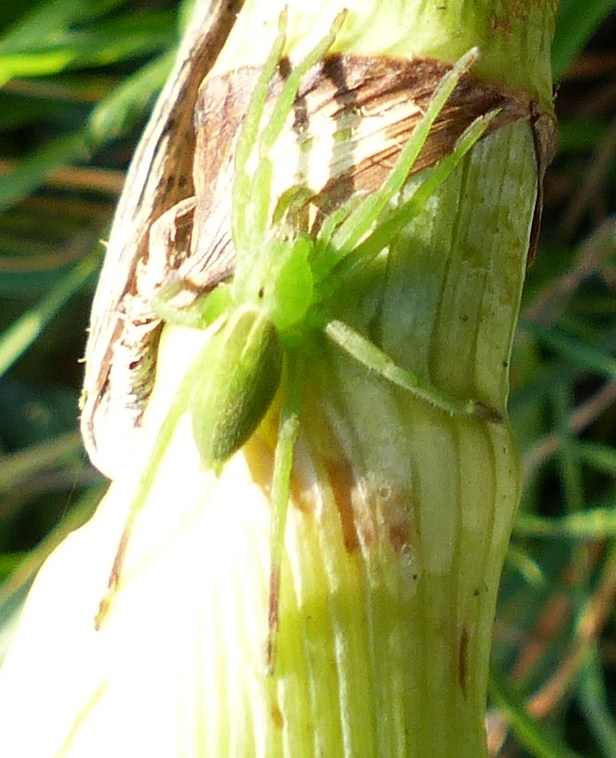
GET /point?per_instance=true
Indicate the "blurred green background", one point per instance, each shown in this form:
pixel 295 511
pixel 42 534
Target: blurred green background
pixel 78 80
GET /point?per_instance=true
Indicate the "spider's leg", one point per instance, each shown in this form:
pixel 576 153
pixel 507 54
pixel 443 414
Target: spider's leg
pixel 322 252
pixel 262 177
pixel 281 487
pixel 394 220
pixel 247 139
pixel 144 487
pixel 361 219
pixel 373 358
pixel 255 190
pixel 285 101
pixel 292 205
pixel 199 315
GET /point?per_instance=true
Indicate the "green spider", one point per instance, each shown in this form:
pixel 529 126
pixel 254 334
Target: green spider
pixel 284 279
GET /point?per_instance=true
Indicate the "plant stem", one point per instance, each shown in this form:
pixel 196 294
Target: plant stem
pixel 400 513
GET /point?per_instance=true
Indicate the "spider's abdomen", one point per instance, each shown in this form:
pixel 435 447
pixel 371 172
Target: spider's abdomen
pixel 241 373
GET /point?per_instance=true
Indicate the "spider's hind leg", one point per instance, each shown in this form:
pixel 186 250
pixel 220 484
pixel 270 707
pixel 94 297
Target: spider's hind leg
pixel 281 490
pixel 374 359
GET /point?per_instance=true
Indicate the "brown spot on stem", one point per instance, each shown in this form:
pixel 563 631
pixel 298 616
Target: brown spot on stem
pixel 273 619
pixel 277 717
pixel 394 510
pixel 463 659
pixel 342 482
pixel 399 537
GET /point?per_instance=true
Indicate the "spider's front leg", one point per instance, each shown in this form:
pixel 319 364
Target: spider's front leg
pixel 386 225
pixel 145 483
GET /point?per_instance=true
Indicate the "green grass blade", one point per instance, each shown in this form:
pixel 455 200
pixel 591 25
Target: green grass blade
pixel 22 333
pixel 536 738
pixel 104 45
pixel 125 104
pixel 31 173
pixel 49 18
pixel 583 355
pixel 593 523
pixel 575 25
pixel 594 700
